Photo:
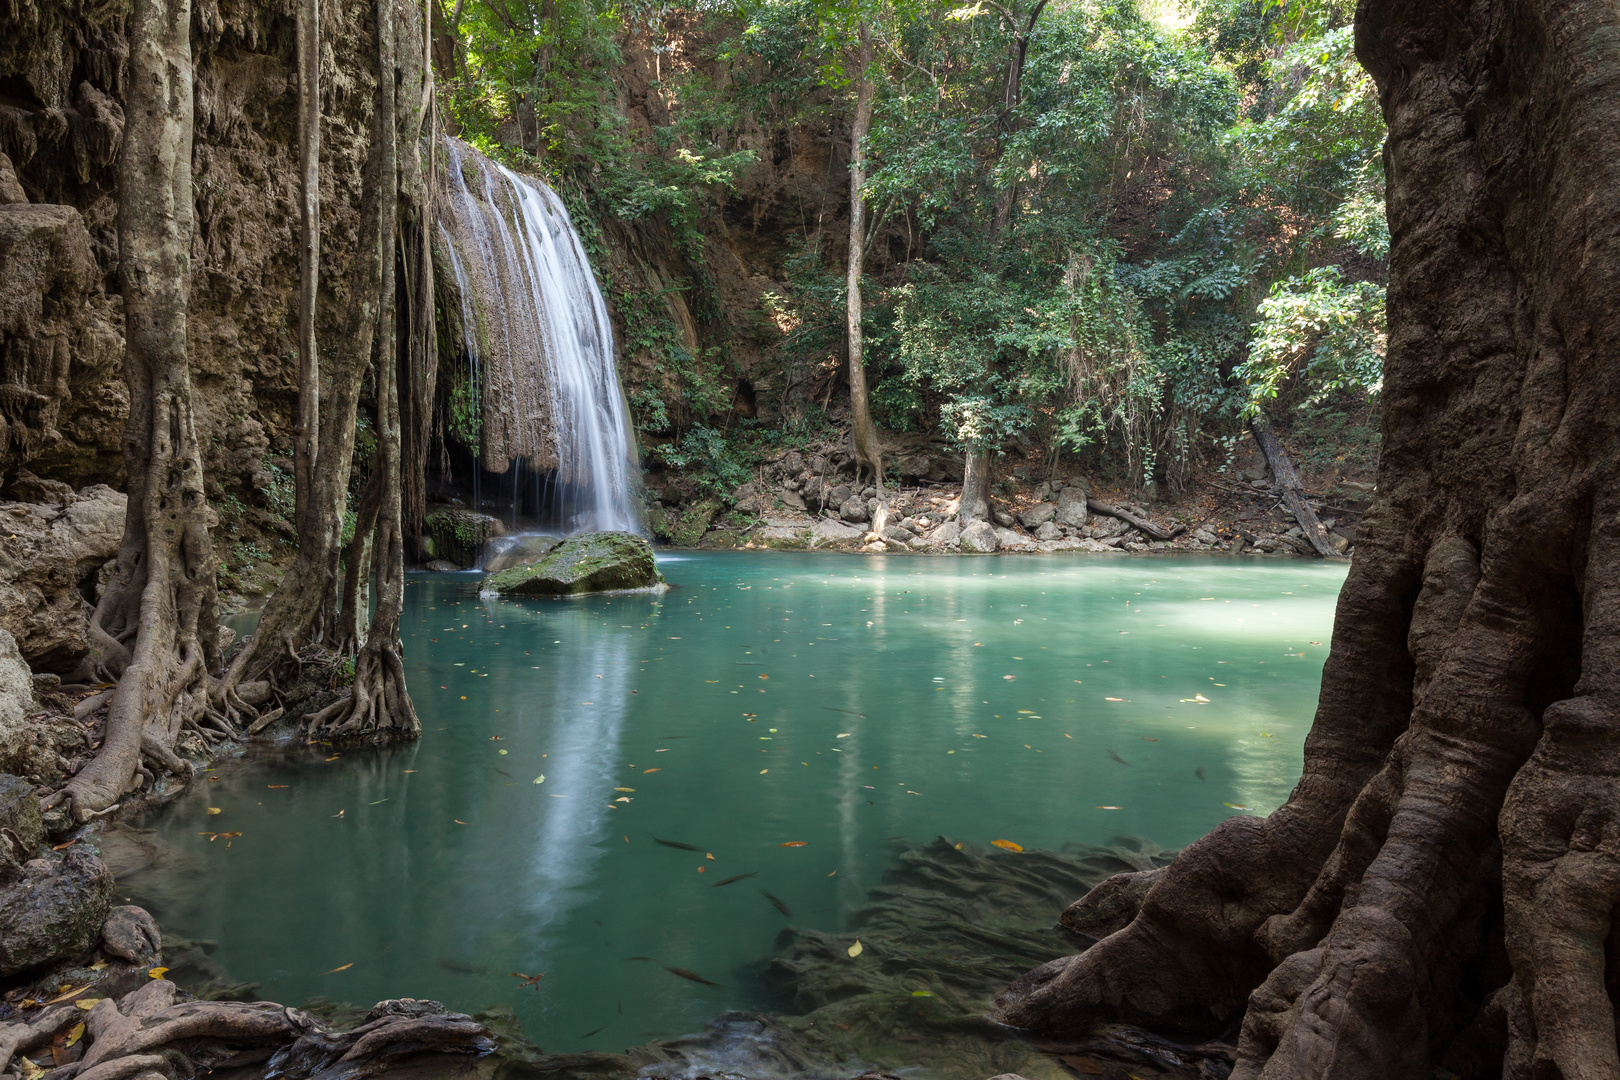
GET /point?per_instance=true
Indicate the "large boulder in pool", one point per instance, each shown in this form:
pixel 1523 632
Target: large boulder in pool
pixel 593 562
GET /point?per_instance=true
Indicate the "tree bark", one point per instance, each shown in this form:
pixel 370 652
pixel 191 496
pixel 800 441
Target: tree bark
pixel 1439 889
pixel 378 706
pixel 868 451
pixel 154 628
pixel 306 429
pixel 975 503
pixel 1288 486
pixel 1153 529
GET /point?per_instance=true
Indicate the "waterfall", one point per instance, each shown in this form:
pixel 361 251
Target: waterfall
pixel 539 345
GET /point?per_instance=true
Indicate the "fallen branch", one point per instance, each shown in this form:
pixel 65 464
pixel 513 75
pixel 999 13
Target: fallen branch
pixel 1158 532
pixel 1286 481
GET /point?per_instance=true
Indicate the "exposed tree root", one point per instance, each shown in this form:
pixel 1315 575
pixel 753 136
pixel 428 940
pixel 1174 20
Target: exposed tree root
pixel 150 1032
pixel 1440 888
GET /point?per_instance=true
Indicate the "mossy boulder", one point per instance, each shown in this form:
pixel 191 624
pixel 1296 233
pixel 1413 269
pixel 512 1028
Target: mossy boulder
pixel 592 562
pixel 683 526
pixel 459 534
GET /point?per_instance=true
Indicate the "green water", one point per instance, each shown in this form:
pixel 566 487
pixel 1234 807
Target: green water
pixel 839 703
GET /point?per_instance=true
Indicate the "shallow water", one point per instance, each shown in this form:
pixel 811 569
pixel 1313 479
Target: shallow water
pixel 1046 701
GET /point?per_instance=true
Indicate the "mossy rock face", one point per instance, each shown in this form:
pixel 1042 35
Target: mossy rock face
pixel 593 562
pixel 458 533
pixel 684 526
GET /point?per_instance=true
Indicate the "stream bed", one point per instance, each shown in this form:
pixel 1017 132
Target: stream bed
pixel 785 722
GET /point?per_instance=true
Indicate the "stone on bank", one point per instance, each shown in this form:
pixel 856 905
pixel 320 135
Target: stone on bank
pixel 590 563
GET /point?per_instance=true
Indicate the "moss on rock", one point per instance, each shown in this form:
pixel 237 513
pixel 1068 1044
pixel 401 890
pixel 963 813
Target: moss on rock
pixel 594 562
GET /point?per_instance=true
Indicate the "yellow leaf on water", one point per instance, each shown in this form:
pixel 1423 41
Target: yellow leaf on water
pixel 1113 699
pixel 542 779
pixel 213 809
pixel 1108 808
pixel 622 798
pixel 335 970
pixel 1006 845
pixel 1234 806
pixel 644 772
pixel 762 772
pixel 857 948
pixel 709 856
pixel 615 789
pixel 921 993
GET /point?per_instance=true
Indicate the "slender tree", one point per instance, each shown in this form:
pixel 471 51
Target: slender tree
pixel 868 450
pixel 1440 888
pixel 154 629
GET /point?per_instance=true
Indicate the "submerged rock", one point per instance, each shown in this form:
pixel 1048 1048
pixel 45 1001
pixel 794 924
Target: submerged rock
pixel 593 562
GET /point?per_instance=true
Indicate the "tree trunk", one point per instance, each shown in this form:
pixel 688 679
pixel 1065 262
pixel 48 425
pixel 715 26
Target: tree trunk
pixel 155 626
pixel 975 502
pixel 1012 84
pixel 1439 888
pixel 378 706
pixel 304 608
pixel 868 451
pixel 306 429
pixel 1288 485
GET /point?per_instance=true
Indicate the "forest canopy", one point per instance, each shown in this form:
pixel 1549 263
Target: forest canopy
pixel 1112 229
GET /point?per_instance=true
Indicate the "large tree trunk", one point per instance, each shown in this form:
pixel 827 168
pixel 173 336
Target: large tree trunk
pixel 868 451
pixel 155 626
pixel 378 706
pixel 1441 884
pixel 1012 92
pixel 975 502
pixel 1288 486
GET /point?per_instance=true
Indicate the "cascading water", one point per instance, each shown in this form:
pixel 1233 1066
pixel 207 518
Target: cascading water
pixel 542 378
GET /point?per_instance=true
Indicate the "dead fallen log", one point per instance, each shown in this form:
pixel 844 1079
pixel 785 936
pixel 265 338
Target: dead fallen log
pixel 1286 481
pixel 1158 532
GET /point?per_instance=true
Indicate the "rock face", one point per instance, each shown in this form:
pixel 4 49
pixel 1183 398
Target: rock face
pixel 53 910
pixel 1038 515
pixel 16 701
pixel 48 567
pixel 21 830
pixel 460 534
pixel 594 562
pixel 1071 506
pixel 980 537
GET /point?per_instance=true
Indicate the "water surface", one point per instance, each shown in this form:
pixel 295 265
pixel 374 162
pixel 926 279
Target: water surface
pixel 788 716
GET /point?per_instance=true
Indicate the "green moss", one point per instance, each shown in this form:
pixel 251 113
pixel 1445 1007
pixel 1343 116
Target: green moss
pixel 458 533
pixel 595 562
pixel 684 526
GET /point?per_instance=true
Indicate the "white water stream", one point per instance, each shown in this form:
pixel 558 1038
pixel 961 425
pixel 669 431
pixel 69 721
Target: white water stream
pixel 540 345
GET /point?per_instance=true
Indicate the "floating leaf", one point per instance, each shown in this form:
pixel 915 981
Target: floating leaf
pixel 844 734
pixel 1108 808
pixel 762 772
pixel 1234 806
pixel 644 772
pixel 1006 845
pixel 794 843
pixel 622 798
pixel 273 787
pixel 87 1003
pixel 213 810
pixel 615 789
pixel 857 948
pixel 1113 699
pixel 921 993
pixel 542 779
pixel 501 752
pixel 157 973
pixel 335 970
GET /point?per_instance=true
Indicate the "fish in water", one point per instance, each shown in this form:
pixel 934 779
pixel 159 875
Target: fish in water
pixel 462 968
pixel 504 773
pixel 1199 772
pixel 729 880
pixel 692 975
pixel 1117 758
pixel 829 708
pixel 598 1031
pixel 651 959
pixel 666 738
pixel 678 844
pixel 783 908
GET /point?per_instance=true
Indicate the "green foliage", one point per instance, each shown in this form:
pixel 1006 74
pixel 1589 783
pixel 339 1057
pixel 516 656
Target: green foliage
pixel 1328 330
pixel 717 464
